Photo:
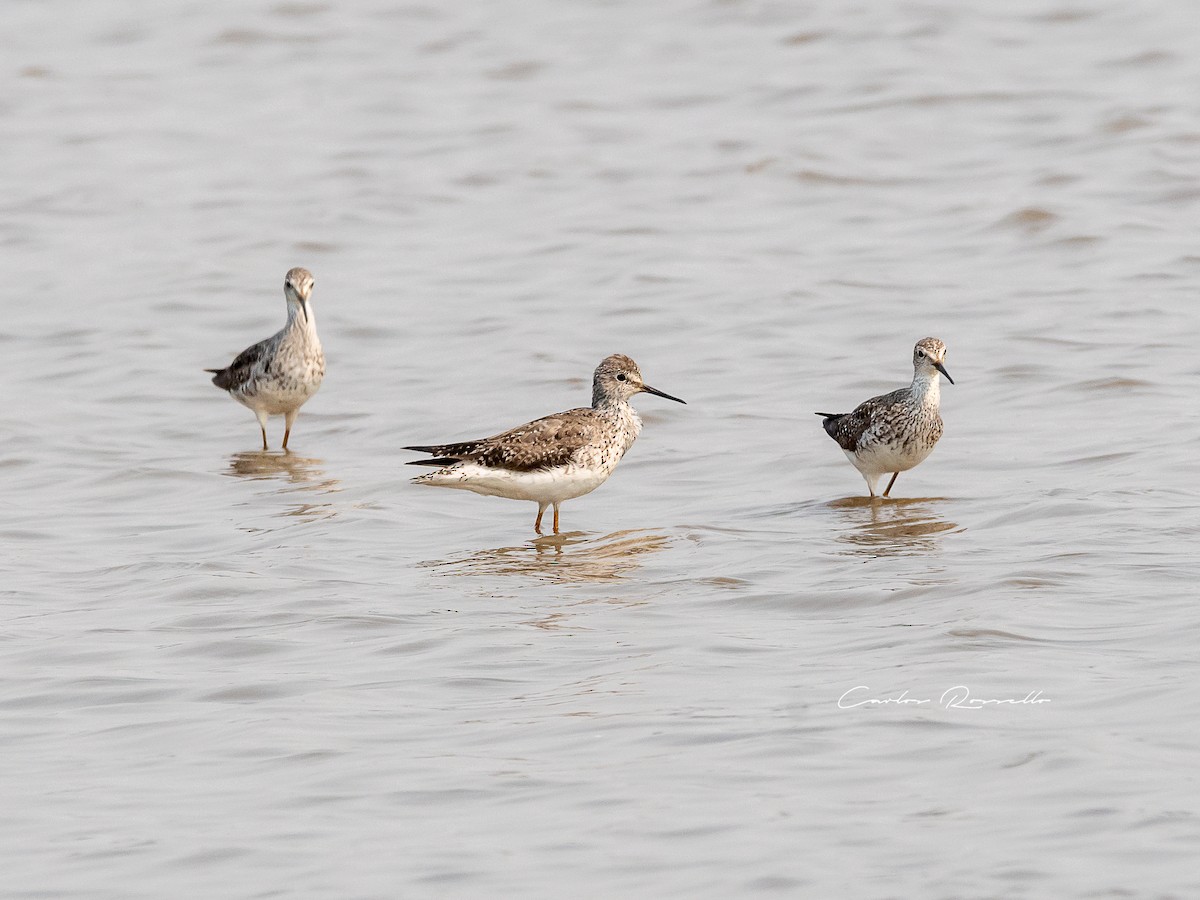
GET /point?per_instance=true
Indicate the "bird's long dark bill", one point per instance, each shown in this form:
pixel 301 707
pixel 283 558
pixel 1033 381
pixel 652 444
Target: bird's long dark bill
pixel 658 393
pixel 304 309
pixel 942 369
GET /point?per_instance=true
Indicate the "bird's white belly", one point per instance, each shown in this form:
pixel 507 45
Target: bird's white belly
pixel 276 398
pixel 882 458
pixel 539 486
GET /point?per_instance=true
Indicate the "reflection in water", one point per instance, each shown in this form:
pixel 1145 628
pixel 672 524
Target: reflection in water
pixel 880 527
pixel 300 474
pixel 561 558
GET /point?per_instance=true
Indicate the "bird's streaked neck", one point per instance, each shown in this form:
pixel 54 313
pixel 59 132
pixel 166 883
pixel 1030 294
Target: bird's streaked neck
pixel 620 412
pixel 603 400
pixel 300 315
pixel 926 385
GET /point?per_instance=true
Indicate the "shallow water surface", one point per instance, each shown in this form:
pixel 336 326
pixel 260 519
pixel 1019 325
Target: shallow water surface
pixel 244 674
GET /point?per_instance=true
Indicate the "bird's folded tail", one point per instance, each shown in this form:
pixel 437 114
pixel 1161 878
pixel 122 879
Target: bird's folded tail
pixel 833 425
pixel 222 378
pixel 444 454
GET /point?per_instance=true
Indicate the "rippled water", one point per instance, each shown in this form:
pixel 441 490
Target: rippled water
pixel 228 673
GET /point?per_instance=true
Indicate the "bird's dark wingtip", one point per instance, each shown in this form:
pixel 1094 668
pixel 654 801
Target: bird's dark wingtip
pixel 829 415
pixel 438 463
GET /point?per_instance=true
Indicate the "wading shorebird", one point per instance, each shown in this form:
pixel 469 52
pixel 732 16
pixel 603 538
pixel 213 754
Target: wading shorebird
pixel 896 431
pixel 552 459
pixel 276 377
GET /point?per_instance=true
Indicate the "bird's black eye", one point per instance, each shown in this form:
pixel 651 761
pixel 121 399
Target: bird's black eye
pixel 920 353
pixel 621 377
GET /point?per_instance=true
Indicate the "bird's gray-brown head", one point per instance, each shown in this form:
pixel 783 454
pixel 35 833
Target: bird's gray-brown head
pixel 297 288
pixel 617 379
pixel 928 358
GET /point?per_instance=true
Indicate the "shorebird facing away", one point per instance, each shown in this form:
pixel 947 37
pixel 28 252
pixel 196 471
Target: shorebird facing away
pixel 896 431
pixel 552 459
pixel 276 377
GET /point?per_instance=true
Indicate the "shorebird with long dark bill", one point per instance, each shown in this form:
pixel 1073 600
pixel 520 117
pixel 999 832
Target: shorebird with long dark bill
pixel 551 459
pixel 276 377
pixel 894 432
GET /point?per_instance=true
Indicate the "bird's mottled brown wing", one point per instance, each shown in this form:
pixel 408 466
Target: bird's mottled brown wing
pixel 241 370
pixel 848 428
pixel 542 444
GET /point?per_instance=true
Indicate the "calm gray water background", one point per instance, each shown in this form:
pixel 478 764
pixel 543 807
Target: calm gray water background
pixel 229 674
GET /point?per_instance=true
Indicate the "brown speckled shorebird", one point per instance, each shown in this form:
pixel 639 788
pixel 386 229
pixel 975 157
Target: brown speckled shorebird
pixel 552 459
pixel 896 431
pixel 276 377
